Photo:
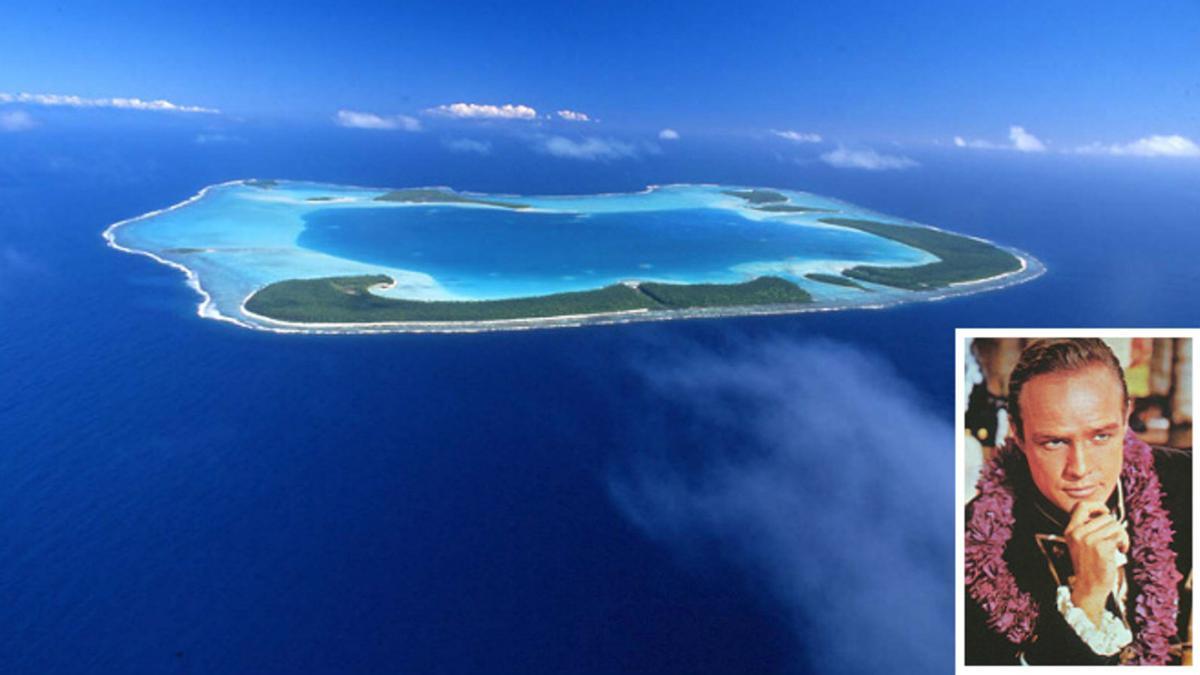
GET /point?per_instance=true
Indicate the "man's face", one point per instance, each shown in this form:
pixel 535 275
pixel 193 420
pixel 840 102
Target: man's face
pixel 1073 431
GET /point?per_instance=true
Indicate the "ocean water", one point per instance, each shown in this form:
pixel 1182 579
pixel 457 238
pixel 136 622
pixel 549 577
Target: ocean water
pixel 710 496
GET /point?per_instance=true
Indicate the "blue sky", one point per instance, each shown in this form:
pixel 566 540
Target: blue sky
pixel 1069 73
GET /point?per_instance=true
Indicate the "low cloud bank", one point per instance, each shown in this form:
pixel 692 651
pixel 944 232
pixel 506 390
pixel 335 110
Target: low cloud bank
pixel 1150 146
pixel 845 158
pixel 589 149
pixel 817 471
pixel 17 120
pixel 1023 141
pixel 1019 140
pixel 573 116
pixel 71 101
pixel 797 136
pixel 217 139
pixel 507 111
pixel 354 119
pixel 468 145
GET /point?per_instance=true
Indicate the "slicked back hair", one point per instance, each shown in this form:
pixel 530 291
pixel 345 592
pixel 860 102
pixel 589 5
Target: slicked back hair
pixel 1054 355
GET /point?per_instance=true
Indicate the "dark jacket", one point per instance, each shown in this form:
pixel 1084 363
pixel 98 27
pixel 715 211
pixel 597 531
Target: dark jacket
pixel 1054 642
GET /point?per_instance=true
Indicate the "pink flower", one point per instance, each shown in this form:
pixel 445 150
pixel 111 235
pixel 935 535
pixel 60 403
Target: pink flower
pixel 1013 613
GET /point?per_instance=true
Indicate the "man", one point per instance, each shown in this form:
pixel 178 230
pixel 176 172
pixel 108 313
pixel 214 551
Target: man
pixel 1079 541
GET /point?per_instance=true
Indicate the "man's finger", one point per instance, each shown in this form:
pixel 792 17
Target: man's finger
pixel 1084 512
pixel 1110 532
pixel 1123 544
pixel 1080 533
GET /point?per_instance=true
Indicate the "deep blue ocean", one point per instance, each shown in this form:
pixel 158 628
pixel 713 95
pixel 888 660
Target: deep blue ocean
pixel 752 495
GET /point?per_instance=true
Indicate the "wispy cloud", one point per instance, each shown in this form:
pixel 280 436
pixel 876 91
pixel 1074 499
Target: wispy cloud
pixel 217 139
pixel 366 120
pixel 590 148
pixel 668 135
pixel 159 105
pixel 573 116
pixel 468 145
pixel 819 473
pixel 978 144
pixel 17 120
pixel 508 111
pixel 870 160
pixel 797 136
pixel 1150 146
pixel 1019 140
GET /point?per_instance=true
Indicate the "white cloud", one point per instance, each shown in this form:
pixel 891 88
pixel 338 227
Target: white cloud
pixel 81 102
pixel 1023 141
pixel 587 149
pixel 977 144
pixel 797 136
pixel 807 508
pixel 468 145
pixel 507 111
pixel 17 120
pixel 668 135
pixel 365 120
pixel 1019 140
pixel 573 116
pixel 1150 146
pixel 870 160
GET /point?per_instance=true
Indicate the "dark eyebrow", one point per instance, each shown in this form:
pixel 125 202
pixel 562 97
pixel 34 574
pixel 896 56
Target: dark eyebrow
pixel 1042 438
pixel 1107 427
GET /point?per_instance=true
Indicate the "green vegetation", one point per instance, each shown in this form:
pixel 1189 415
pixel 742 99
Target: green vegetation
pixel 772 201
pixel 427 196
pixel 264 184
pixel 792 208
pixel 760 291
pixel 836 280
pixel 757 196
pixel 962 258
pixel 319 199
pixel 348 300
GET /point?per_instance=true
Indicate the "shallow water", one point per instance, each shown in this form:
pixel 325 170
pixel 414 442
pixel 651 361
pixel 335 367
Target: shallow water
pixel 493 253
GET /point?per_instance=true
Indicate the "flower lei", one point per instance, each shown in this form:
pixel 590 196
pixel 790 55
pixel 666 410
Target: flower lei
pixel 1013 613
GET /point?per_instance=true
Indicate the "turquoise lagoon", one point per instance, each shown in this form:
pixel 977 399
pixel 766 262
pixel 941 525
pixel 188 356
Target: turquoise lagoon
pixel 235 238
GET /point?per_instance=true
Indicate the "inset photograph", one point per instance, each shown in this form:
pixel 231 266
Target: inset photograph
pixel 1075 538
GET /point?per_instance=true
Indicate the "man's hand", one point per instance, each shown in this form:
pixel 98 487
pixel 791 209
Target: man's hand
pixel 1094 536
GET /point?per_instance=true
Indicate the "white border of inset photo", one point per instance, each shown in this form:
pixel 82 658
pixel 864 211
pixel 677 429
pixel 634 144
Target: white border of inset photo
pixel 961 335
